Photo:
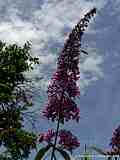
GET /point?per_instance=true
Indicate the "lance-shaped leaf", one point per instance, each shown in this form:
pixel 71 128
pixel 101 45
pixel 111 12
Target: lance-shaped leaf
pixel 42 152
pixel 4 85
pixel 64 154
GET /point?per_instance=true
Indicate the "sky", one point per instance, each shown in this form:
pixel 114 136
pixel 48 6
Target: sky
pixel 46 23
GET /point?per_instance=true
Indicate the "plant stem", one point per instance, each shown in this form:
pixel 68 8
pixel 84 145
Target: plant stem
pixel 58 124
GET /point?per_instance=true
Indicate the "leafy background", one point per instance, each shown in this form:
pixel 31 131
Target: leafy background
pixel 46 24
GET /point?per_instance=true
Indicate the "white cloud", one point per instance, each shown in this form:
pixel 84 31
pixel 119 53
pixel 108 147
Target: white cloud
pixel 90 70
pixel 47 25
pixel 91 64
pixel 48 59
pixel 17 32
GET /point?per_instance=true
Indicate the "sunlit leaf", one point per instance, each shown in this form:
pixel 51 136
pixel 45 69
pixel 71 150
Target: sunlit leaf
pixel 87 156
pixel 64 154
pixel 3 85
pixel 42 152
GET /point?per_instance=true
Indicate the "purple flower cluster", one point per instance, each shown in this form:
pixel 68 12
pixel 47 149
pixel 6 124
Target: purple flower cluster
pixel 47 136
pixel 115 141
pixel 63 90
pixel 63 86
pixel 68 140
pixel 67 108
pixel 65 138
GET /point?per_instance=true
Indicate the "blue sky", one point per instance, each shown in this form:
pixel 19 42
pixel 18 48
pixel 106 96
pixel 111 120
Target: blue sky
pixel 46 24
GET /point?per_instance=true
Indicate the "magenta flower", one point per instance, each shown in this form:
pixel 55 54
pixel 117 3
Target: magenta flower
pixel 68 140
pixel 47 136
pixel 115 141
pixel 63 90
pixel 63 87
pixel 65 138
pixel 67 109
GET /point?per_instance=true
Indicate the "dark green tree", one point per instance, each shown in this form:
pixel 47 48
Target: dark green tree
pixel 15 98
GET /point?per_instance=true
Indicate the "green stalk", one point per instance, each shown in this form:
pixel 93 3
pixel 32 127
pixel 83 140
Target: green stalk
pixel 57 130
pixel 58 124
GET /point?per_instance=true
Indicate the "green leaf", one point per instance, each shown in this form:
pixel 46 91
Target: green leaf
pixel 87 156
pixel 64 154
pixel 42 152
pixel 98 150
pixel 4 85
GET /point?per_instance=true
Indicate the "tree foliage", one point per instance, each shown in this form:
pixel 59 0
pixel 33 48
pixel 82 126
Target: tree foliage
pixel 15 98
